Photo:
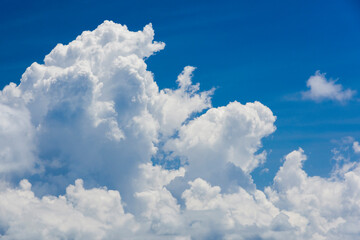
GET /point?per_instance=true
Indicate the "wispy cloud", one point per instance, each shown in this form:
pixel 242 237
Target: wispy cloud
pixel 321 88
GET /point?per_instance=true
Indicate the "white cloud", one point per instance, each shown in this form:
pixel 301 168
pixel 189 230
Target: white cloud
pixel 173 107
pixel 79 214
pixel 221 146
pixel 159 208
pixel 93 111
pixel 17 150
pixel 92 114
pixel 255 209
pixel 356 147
pixel 324 89
pixel 330 205
pixel 229 134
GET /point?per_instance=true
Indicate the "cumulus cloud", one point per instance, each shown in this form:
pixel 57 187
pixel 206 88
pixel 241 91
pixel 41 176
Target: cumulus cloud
pixel 227 137
pixel 93 111
pixel 329 205
pixel 79 214
pixel 324 89
pixel 87 139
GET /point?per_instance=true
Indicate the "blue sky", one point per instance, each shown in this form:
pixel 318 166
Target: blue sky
pixel 258 50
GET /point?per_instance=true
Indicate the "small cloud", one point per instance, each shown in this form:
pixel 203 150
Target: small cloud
pixel 264 170
pixel 323 89
pixel 356 147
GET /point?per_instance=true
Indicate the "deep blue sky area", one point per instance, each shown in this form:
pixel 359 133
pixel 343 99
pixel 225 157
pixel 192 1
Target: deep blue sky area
pixel 248 50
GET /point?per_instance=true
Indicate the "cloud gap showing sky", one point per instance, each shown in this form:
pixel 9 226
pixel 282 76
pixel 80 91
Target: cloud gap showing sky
pixel 82 133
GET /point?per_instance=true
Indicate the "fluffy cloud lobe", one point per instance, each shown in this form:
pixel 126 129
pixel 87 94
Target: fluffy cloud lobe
pixel 91 148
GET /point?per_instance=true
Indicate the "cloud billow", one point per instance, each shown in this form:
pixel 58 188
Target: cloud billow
pixel 84 129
